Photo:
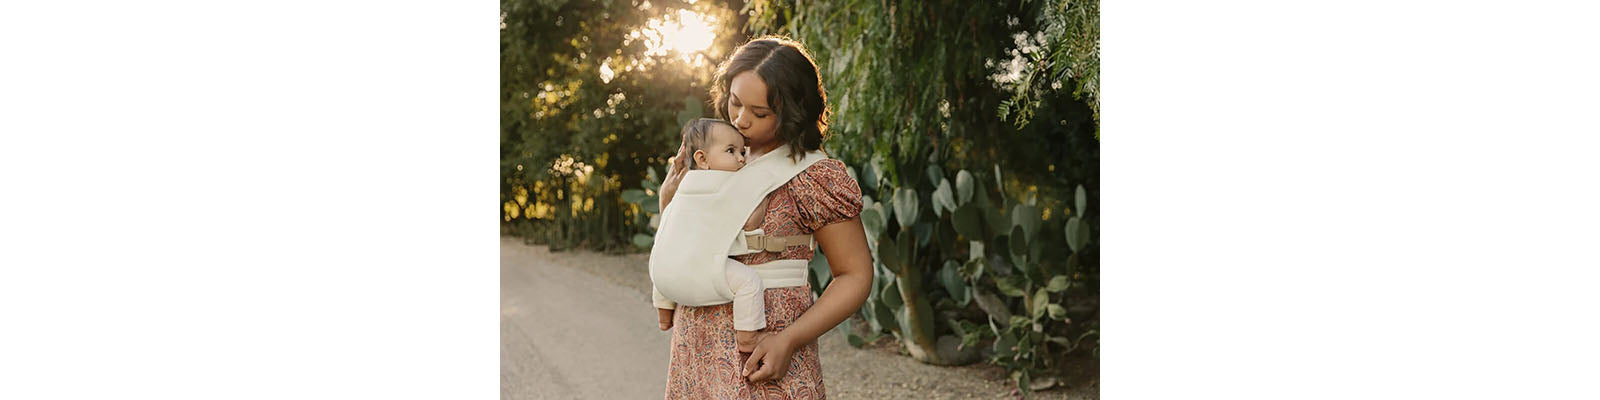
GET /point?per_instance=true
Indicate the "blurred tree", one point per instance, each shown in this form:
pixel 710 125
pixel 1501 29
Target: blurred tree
pixel 592 94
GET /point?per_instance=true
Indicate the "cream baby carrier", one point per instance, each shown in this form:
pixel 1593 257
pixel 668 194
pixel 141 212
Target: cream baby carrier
pixel 704 225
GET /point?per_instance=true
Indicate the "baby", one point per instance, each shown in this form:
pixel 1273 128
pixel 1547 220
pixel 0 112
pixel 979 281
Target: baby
pixel 715 145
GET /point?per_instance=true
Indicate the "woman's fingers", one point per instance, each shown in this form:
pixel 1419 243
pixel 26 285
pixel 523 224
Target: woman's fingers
pixel 680 160
pixel 761 374
pixel 751 363
pixel 769 368
pixel 677 167
pixel 772 362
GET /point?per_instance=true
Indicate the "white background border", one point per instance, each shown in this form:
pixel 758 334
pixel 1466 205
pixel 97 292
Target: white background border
pixel 298 200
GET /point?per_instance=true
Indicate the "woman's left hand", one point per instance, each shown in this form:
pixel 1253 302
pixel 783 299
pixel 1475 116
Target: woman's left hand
pixel 772 355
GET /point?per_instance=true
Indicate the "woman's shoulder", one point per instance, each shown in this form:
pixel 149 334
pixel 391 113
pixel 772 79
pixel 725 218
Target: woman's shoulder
pixel 828 168
pixel 830 175
pixel 825 193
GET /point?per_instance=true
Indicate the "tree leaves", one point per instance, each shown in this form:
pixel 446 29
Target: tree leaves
pixel 820 270
pixel 924 232
pixel 891 296
pixel 950 276
pixel 992 305
pixel 1011 285
pixel 905 208
pixel 1058 284
pixel 1028 218
pixel 998 223
pixel 889 254
pixel 1057 312
pixel 872 221
pixel 1077 231
pixel 967 222
pixel 1080 200
pixel 1040 299
pixel 1018 241
pixel 691 110
pixel 964 189
pixel 943 198
pixel 885 316
pixel 1077 234
pixel 633 196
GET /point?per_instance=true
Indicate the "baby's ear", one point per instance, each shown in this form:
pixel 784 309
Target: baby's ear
pixel 700 159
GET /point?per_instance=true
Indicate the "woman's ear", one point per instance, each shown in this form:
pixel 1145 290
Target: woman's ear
pixel 699 159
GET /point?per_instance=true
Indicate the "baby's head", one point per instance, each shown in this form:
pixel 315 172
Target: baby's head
pixel 713 144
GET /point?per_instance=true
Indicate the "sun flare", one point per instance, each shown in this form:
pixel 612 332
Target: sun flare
pixel 687 33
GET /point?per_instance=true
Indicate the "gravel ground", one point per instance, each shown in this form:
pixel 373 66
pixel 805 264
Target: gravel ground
pixel 875 371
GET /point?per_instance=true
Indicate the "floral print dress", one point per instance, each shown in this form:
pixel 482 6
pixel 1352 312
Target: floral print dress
pixel 703 362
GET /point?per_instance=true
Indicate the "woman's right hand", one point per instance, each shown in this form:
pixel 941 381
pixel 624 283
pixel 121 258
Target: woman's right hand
pixel 677 166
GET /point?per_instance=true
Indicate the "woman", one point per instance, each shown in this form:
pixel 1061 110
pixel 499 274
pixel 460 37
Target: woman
pixel 770 90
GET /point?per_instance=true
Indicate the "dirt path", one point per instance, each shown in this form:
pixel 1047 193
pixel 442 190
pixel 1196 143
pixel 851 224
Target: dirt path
pixel 568 334
pixel 574 324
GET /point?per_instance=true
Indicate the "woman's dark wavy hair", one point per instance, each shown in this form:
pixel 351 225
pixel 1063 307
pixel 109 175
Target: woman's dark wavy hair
pixel 794 89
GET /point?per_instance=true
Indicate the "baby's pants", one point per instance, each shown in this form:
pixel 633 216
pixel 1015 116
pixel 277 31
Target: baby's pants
pixel 749 301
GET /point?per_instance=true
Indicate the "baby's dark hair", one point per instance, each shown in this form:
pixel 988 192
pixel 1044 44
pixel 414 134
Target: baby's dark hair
pixel 696 133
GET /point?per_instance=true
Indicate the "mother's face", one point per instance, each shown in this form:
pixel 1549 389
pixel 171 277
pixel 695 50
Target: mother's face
pixel 749 111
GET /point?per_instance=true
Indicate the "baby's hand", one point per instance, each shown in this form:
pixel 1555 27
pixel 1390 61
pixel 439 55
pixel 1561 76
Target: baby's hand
pixel 665 317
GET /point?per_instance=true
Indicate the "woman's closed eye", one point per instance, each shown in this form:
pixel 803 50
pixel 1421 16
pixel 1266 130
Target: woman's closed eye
pixel 740 108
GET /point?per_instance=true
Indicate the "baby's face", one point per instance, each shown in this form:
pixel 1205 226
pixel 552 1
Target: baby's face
pixel 725 152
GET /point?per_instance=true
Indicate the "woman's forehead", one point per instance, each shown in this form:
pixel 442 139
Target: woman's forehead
pixel 749 88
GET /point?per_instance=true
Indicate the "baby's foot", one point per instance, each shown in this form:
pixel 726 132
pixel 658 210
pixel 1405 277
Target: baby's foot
pixel 664 317
pixel 746 341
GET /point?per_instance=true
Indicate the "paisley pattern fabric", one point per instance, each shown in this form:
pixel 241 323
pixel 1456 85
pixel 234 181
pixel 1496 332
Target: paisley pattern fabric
pixel 704 363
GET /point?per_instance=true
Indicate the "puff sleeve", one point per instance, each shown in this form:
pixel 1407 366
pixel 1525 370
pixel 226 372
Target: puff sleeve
pixel 824 194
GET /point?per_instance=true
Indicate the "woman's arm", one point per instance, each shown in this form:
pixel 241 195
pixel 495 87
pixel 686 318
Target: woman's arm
pixel 845 245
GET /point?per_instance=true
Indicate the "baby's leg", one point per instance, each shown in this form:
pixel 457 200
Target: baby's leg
pixel 749 304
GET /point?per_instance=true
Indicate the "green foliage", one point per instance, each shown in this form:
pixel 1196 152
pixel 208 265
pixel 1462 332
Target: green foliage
pixel 1039 273
pixel 1063 51
pixel 914 89
pixel 586 108
pixel 978 221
